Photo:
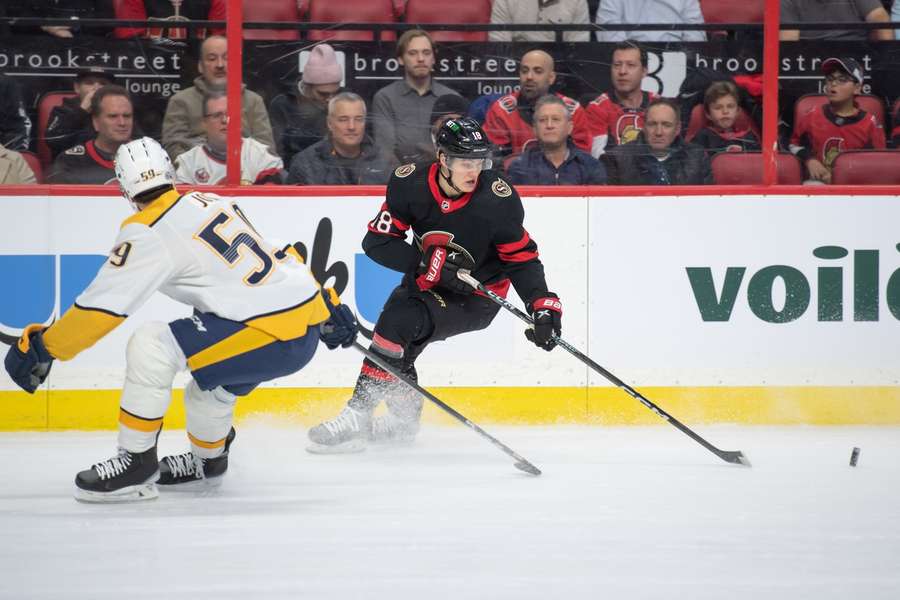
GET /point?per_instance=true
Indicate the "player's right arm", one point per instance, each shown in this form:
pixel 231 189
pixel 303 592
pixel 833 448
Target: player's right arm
pixel 385 242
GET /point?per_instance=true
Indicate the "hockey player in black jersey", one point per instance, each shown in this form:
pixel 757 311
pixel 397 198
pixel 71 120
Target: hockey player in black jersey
pixel 462 216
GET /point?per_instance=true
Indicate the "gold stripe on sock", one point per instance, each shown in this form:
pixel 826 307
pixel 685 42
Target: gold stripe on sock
pixel 139 423
pixel 207 445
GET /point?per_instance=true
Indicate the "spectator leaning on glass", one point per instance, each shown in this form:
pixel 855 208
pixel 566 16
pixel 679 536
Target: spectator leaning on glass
pixel 182 127
pixel 837 125
pixel 659 156
pixel 508 122
pixel 13 169
pixel 298 119
pixel 205 164
pixel 347 156
pixel 70 122
pixel 634 12
pixel 617 117
pixel 724 132
pixel 553 159
pixel 542 12
pixel 112 117
pixel 846 11
pixel 401 109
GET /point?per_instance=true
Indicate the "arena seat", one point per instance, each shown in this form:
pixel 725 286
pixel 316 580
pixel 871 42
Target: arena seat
pixel 285 11
pixel 866 167
pixel 732 11
pixel 699 121
pixel 350 11
pixel 423 12
pixel 746 168
pixel 35 164
pixel 869 103
pixel 45 106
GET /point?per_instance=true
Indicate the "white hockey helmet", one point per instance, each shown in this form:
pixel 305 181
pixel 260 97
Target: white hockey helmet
pixel 143 165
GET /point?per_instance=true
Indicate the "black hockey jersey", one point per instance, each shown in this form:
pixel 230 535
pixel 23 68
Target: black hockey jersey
pixel 485 224
pixel 83 164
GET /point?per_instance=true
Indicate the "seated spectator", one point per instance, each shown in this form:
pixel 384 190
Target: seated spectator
pixel 13 169
pixel 509 120
pixel 560 12
pixel 347 156
pixel 554 159
pixel 205 164
pixel 659 156
pixel 298 120
pixel 895 17
pixel 613 12
pixel 837 125
pixel 182 127
pixel 617 117
pixel 895 132
pixel 112 117
pixel 169 13
pixel 15 126
pixel 74 10
pixel 449 106
pixel 721 105
pixel 401 109
pixel 812 11
pixel 70 122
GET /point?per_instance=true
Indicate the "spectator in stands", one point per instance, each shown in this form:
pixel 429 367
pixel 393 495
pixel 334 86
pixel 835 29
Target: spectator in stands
pixel 73 10
pixel 15 126
pixel 895 17
pixel 811 11
pixel 837 125
pixel 617 117
pixel 13 168
pixel 112 117
pixel 204 164
pixel 182 127
pixel 298 119
pixel 347 156
pixel 448 106
pixel 554 159
pixel 70 122
pixel 613 12
pixel 508 122
pixel 659 156
pixel 895 132
pixel 560 12
pixel 401 109
pixel 169 13
pixel 724 133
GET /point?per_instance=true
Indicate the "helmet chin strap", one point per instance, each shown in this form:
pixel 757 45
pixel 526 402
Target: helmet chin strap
pixel 449 179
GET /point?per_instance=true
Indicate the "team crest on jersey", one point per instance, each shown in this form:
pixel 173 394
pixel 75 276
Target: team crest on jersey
pixel 76 150
pixel 405 170
pixel 501 188
pixel 628 127
pixel 508 103
pixel 201 175
pixel 443 238
pixel 831 149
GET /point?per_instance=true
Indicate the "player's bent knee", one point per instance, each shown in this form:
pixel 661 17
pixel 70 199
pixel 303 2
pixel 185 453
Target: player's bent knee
pixel 153 357
pixel 404 321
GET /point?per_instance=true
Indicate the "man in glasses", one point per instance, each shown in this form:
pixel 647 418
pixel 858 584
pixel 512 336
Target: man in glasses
pixel 837 125
pixel 462 216
pixel 204 164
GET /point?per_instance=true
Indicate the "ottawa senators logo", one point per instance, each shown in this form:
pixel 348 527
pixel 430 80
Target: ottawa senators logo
pixel 508 103
pixel 628 127
pixel 405 170
pixel 501 188
pixel 830 150
pixel 458 255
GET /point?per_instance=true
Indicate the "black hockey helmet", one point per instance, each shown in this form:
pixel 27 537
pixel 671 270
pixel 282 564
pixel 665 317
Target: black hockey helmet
pixel 463 138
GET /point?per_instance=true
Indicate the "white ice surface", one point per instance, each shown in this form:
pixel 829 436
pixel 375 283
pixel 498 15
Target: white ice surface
pixel 619 513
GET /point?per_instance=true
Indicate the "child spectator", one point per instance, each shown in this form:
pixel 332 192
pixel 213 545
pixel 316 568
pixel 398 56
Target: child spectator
pixel 724 132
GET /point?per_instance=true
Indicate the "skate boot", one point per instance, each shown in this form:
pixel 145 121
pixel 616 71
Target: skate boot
pixel 344 434
pixel 127 477
pixel 401 423
pixel 184 469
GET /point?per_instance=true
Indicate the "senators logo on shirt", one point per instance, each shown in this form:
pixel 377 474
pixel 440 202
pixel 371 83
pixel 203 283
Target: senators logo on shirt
pixel 830 150
pixel 628 127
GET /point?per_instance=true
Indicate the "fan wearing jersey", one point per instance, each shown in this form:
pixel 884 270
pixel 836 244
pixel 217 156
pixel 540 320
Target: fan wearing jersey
pixel 462 216
pixel 258 315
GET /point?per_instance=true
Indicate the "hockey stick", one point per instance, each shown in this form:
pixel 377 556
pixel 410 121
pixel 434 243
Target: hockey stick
pixel 521 463
pixel 732 456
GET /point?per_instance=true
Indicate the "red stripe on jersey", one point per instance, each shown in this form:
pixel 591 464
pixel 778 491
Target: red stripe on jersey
pixel 513 247
pixel 392 347
pixel 519 257
pixel 447 205
pixel 92 151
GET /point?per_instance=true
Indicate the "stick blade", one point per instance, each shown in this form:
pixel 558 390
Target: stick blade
pixel 735 457
pixel 527 467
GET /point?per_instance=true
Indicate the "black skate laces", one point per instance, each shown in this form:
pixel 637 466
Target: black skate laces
pixel 116 465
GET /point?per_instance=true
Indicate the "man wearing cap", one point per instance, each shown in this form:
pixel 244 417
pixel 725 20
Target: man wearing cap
pixel 837 125
pixel 446 107
pixel 182 127
pixel 70 122
pixel 299 118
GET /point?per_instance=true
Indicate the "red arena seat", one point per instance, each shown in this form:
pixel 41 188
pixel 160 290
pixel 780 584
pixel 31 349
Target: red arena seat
pixel 35 164
pixel 732 11
pixel 423 12
pixel 350 11
pixel 699 121
pixel 862 167
pixel 285 11
pixel 870 104
pixel 46 104
pixel 746 168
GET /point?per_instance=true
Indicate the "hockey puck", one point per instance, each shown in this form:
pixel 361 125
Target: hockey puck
pixel 854 456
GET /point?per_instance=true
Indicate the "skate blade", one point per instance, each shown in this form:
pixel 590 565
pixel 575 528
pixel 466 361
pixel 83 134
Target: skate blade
pixel 349 447
pixel 132 493
pixel 195 485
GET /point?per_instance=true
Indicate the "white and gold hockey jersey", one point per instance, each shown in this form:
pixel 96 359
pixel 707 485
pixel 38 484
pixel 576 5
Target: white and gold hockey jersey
pixel 198 249
pixel 198 166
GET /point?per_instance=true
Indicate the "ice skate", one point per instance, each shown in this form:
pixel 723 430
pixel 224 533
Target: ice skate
pixel 391 429
pixel 345 434
pixel 187 471
pixel 127 477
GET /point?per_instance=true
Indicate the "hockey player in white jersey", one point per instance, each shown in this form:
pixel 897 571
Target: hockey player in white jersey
pixel 258 315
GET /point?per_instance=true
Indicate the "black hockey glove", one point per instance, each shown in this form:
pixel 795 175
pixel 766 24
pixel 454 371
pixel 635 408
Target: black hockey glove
pixel 547 314
pixel 441 265
pixel 28 362
pixel 341 328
